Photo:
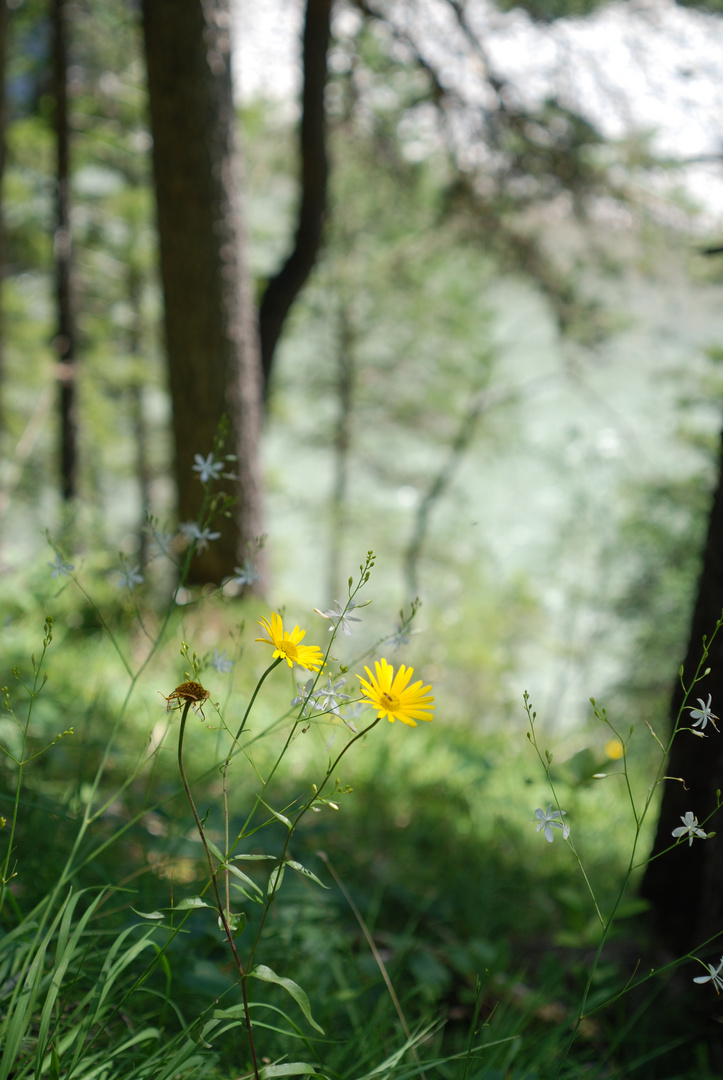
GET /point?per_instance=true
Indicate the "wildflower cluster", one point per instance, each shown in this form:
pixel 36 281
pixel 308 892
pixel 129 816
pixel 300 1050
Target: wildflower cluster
pixel 390 693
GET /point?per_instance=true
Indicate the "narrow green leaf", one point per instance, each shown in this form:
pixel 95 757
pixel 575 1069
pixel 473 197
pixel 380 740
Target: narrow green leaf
pixel 243 877
pixel 306 873
pixel 234 1012
pixel 214 850
pixel 189 903
pixel 254 858
pixel 279 817
pixel 289 1068
pixel 147 914
pixel 265 974
pixel 275 878
pixel 198 1031
pixel 255 898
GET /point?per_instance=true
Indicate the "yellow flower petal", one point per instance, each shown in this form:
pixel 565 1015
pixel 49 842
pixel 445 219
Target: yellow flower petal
pixel 393 698
pixel 286 644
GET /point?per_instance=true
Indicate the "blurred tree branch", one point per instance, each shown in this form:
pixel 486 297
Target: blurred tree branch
pixel 283 288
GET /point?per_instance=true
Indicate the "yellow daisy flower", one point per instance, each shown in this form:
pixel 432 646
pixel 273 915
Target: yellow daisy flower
pixel 286 644
pixel 391 696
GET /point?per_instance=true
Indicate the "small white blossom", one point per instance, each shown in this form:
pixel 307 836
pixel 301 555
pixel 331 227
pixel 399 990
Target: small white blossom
pixel 60 566
pixel 304 697
pixel 128 578
pixel 714 976
pixel 329 699
pixel 202 537
pixel 222 665
pixel 399 637
pixel 689 828
pixel 703 714
pixel 339 619
pixel 551 819
pixel 246 574
pixel 207 467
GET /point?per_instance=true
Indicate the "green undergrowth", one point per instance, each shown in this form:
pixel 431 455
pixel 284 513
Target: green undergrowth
pixel 428 849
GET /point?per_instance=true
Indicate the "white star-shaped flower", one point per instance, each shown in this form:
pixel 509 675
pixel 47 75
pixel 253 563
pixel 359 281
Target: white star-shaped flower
pixel 304 696
pixel 689 828
pixel 128 578
pixel 714 976
pixel 339 618
pixel 246 574
pixel 202 537
pixel 551 819
pixel 329 699
pixel 207 467
pixel 221 664
pixel 60 566
pixel 703 714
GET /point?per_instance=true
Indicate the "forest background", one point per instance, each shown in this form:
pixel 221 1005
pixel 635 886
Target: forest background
pixel 502 375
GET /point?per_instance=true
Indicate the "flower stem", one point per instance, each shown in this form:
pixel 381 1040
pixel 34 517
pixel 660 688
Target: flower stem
pixel 214 882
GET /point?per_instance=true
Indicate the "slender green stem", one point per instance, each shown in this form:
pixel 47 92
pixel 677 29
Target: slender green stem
pixel 304 809
pixel 214 881
pixel 639 820
pixel 250 705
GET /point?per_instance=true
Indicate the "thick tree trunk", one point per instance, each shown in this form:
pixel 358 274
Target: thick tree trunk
pixel 4 28
pixel 283 289
pixel 211 332
pixel 685 886
pixel 64 341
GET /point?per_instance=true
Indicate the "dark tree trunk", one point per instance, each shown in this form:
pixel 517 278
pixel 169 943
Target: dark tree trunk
pixel 4 29
pixel 64 341
pixel 685 886
pixel 143 471
pixel 211 332
pixel 283 289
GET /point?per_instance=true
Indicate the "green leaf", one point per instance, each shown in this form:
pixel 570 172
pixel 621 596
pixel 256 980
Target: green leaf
pixel 279 817
pixel 243 877
pixel 189 903
pixel 236 923
pixel 147 914
pixel 306 873
pixel 234 1012
pixel 289 1068
pixel 255 858
pixel 253 897
pixel 214 850
pixel 265 974
pixel 275 878
pixel 197 1033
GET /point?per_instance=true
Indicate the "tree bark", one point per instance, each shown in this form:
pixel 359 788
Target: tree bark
pixel 211 332
pixel 4 32
pixel 64 340
pixel 685 886
pixel 284 287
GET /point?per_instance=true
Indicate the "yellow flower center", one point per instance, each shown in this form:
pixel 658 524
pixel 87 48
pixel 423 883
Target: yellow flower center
pixel 389 701
pixel 289 649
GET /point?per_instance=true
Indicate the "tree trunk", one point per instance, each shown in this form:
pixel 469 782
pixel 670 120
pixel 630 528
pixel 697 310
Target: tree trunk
pixel 685 886
pixel 283 289
pixel 64 341
pixel 4 28
pixel 211 333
